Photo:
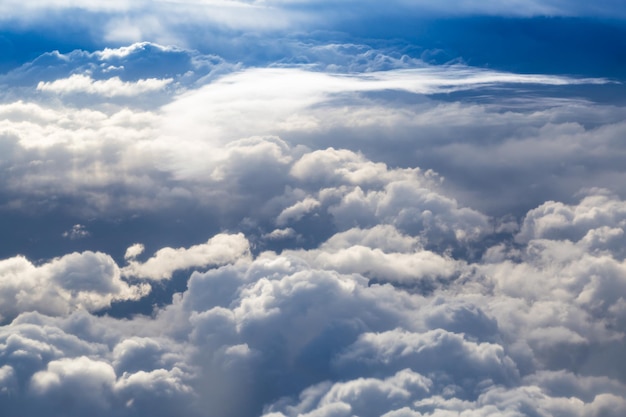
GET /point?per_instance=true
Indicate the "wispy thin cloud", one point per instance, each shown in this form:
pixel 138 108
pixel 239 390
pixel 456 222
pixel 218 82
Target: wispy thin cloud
pixel 111 87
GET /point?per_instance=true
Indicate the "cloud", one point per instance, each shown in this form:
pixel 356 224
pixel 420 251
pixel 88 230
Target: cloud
pixel 363 396
pixel 287 92
pixel 133 251
pixel 327 342
pixel 374 253
pixel 117 74
pixel 77 231
pixel 207 128
pixel 295 212
pixel 278 234
pixel 381 237
pixel 597 218
pixel 219 249
pixel 85 379
pixel 87 280
pixel 112 87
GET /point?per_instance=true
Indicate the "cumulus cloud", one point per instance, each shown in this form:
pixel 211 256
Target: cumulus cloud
pixel 78 383
pixel 87 381
pixel 598 218
pixel 484 341
pixel 207 129
pixel 383 254
pixel 396 398
pixel 87 280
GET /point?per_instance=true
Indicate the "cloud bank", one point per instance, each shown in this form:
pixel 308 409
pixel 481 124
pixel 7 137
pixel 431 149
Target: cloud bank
pixel 526 329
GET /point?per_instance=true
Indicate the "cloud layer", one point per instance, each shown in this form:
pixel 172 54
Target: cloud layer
pixel 536 328
pixel 347 231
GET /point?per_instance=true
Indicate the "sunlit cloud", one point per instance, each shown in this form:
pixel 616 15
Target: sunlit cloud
pixel 112 87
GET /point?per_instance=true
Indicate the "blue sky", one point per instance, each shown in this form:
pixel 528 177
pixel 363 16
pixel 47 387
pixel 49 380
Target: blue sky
pixel 291 208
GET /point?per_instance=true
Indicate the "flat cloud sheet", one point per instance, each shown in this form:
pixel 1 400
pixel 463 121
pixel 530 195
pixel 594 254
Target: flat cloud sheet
pixel 298 208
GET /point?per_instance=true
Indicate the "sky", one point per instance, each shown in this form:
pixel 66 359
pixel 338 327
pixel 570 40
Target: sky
pixel 283 208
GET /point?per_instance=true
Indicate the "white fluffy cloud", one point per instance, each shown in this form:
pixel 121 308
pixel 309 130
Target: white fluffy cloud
pixel 401 396
pixel 93 280
pixel 384 254
pixel 88 280
pixel 218 250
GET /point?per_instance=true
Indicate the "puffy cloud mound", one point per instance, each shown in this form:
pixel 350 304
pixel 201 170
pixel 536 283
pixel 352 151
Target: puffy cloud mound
pixel 91 281
pixel 88 280
pixel 530 328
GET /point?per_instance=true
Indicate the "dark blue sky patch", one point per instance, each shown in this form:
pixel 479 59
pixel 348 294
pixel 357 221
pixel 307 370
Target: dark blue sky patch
pixel 19 46
pixel 574 46
pixel 557 45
